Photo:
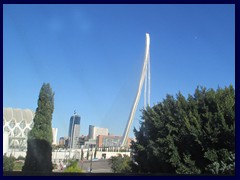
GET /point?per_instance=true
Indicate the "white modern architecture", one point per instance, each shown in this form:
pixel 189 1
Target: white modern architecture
pixel 145 77
pixel 16 125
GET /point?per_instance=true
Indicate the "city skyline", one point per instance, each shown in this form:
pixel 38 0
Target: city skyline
pixel 92 56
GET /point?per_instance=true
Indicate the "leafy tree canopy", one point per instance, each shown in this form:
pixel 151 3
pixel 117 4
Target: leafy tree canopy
pixel 188 136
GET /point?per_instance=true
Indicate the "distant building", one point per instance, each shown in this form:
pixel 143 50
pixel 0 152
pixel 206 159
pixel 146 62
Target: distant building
pixel 63 141
pixel 110 141
pixel 90 143
pixel 82 140
pixel 74 131
pixel 96 131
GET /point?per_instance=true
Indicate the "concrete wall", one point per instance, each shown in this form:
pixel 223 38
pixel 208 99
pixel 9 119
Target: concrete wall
pixel 5 142
pixel 61 155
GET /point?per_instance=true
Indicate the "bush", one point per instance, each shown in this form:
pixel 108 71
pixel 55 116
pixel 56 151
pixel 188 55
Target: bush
pixel 18 165
pixel 120 164
pixel 73 167
pixel 8 163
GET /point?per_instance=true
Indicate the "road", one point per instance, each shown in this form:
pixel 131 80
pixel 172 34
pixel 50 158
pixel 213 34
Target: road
pixel 99 166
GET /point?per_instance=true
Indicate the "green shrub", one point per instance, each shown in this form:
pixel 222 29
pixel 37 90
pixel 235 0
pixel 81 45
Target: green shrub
pixel 73 167
pixel 8 163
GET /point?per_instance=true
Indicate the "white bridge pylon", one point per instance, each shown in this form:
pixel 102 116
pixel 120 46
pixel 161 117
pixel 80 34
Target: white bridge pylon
pixel 145 77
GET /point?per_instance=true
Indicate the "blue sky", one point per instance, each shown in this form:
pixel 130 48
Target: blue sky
pixel 92 56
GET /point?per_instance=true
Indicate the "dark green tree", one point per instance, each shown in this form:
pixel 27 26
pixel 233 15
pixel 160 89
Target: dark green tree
pixel 39 144
pixel 120 164
pixel 188 136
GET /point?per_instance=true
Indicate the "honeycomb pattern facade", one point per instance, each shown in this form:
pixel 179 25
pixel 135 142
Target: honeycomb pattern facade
pixel 17 122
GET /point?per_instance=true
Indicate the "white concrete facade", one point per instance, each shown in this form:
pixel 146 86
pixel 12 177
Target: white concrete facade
pixel 54 133
pixel 16 125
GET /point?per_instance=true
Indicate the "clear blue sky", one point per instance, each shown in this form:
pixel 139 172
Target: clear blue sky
pixel 92 56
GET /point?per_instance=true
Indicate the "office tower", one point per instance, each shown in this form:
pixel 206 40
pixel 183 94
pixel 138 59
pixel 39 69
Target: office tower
pixel 74 131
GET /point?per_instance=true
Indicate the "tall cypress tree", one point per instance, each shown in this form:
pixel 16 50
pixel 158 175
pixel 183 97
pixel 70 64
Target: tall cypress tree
pixel 39 149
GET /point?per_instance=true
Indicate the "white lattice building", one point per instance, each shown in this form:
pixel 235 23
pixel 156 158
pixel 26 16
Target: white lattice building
pixel 17 123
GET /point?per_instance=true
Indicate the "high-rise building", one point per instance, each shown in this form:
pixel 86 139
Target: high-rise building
pixel 74 131
pixel 96 131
